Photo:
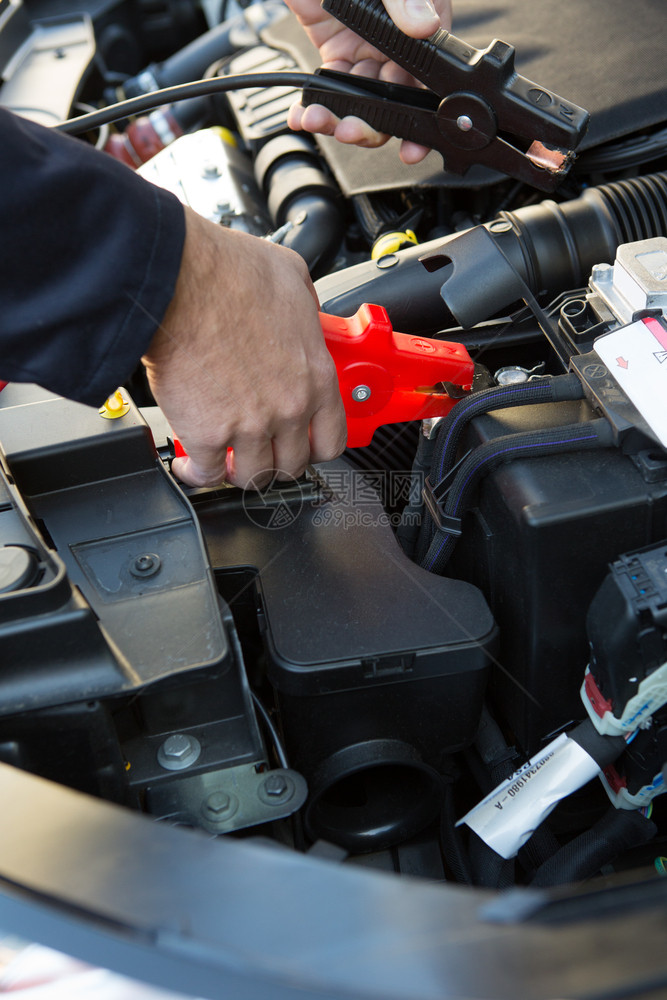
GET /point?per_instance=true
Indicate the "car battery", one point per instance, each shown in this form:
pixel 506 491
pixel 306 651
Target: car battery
pixel 538 544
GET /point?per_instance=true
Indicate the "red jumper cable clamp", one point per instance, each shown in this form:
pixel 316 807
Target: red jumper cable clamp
pixel 387 377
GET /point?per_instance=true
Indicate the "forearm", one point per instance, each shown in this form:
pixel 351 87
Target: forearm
pixel 89 258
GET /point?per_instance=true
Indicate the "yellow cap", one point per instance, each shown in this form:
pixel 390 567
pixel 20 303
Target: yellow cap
pixel 115 406
pixel 391 242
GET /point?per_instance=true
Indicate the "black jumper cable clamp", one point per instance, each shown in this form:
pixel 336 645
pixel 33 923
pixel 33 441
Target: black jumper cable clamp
pixel 476 109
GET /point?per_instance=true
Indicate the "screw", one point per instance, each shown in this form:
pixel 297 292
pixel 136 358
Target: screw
pixel 178 752
pixel 464 123
pixel 145 565
pixel 361 393
pixel 275 785
pixel 210 170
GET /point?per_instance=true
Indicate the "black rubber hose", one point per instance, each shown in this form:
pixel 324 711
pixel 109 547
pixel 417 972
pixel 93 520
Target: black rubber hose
pixel 192 61
pixel 318 230
pixel 495 762
pixel 551 246
pixel 555 440
pixel 619 830
pixel 298 189
pixel 498 758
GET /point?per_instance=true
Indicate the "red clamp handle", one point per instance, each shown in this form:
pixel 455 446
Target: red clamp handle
pixel 387 377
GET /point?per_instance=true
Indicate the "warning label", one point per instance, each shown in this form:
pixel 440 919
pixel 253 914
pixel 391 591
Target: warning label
pixel 635 356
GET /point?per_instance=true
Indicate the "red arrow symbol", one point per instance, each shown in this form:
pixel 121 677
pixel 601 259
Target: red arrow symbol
pixel 622 363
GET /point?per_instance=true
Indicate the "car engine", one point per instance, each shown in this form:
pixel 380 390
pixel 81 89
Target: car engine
pixel 443 654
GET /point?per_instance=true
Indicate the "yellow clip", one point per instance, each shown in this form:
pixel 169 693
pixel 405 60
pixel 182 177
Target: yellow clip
pixel 115 406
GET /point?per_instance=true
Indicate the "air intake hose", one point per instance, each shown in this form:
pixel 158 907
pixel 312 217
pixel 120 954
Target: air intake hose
pixel 551 247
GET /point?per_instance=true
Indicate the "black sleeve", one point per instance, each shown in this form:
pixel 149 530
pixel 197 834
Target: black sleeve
pixel 89 256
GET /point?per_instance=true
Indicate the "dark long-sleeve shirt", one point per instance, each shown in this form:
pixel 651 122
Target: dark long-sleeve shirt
pixel 89 255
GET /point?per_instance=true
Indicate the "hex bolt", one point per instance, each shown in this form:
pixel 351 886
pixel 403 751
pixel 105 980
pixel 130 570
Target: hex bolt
pixel 464 123
pixel 217 804
pixel 275 785
pixel 178 752
pixel 360 393
pixel 219 807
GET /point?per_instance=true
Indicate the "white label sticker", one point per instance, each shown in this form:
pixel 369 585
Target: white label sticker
pixel 508 816
pixel 636 357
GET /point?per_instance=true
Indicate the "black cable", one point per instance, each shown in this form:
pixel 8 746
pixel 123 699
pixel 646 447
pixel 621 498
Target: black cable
pixel 454 853
pixel 555 440
pixel 624 155
pixel 200 88
pixel 619 830
pixel 275 739
pixel 407 532
pixel 548 390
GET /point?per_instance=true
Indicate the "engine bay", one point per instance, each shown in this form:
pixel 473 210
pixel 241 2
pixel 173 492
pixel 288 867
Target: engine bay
pixel 462 619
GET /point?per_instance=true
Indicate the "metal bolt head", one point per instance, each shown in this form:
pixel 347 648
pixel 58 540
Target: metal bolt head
pixel 147 564
pixel 217 803
pixel 177 746
pixel 210 170
pixel 464 123
pixel 275 785
pixel 178 752
pixel 360 393
pixel 218 807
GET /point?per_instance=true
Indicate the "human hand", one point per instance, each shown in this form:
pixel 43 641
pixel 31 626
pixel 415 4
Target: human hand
pixel 239 361
pixel 341 49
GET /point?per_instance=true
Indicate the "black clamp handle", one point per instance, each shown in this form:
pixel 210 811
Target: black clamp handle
pixel 476 103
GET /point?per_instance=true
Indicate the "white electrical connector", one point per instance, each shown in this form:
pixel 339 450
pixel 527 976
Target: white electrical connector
pixel 651 695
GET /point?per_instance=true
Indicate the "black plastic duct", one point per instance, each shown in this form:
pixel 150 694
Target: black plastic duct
pixel 299 191
pixel 468 277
